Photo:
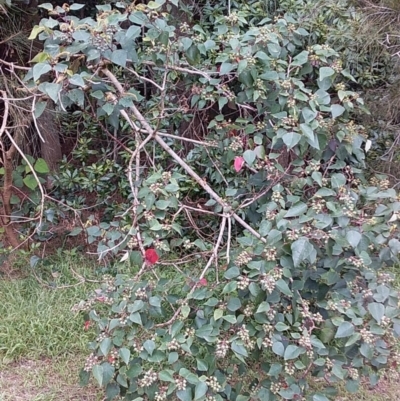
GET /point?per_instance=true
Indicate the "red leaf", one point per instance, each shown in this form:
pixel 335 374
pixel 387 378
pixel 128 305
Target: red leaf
pixel 238 163
pixel 87 325
pixel 151 256
pixel 202 283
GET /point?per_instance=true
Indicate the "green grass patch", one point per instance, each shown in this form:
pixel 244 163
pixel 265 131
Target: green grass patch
pixel 36 317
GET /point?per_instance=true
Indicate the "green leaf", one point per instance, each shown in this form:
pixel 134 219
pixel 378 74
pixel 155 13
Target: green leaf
pixel 35 31
pixel 301 250
pixel 30 182
pixel 226 68
pixel 263 307
pixel 119 57
pixel 163 204
pixel 283 287
pixel 166 376
pixel 50 89
pixel 308 114
pixel 98 374
pixel 77 80
pixel 296 210
pixel 353 237
pixel 136 318
pixel 325 72
pixel 337 110
pixel 377 311
pixel 291 139
pixel 40 107
pixel 76 231
pixel 184 395
pixel 153 5
pixel 189 376
pixel 105 346
pixel 41 166
pixel 46 6
pixel 320 397
pixel 238 348
pixel 218 313
pixel 249 156
pixel 149 346
pixel 301 58
pixel 202 365
pixel 200 390
pixel 76 6
pixel 39 69
pixel 346 329
pixel 193 55
pixel 125 355
pixel 338 180
pixel 234 304
pixel 173 357
pixel 185 311
pixel 292 352
pixel 278 348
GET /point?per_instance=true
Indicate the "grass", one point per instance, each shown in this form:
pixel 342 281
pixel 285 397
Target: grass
pixel 42 342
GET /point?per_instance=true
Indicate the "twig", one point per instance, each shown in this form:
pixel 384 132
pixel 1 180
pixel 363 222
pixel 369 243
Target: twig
pixel 213 256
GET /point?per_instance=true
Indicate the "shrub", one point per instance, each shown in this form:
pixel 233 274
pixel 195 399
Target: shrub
pixel 275 178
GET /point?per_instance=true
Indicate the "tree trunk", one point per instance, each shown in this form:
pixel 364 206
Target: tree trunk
pixel 51 147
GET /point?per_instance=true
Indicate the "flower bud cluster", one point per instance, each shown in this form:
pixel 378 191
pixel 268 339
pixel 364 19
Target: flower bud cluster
pixel 305 341
pixel 212 382
pixel 248 310
pixel 243 258
pixel 353 373
pixel 385 278
pixel 180 383
pixel 268 283
pixel 173 345
pixel 290 369
pixel 275 388
pixel 270 214
pixel 367 336
pixel 270 253
pixel 137 346
pixel 161 394
pixel 276 196
pixel 113 358
pixel 244 335
pixel 148 379
pixel 141 293
pixel 243 282
pixel 133 242
pixel 91 361
pixel 292 235
pixel 221 348
pixel 156 187
pixel 318 204
pixel 190 332
pixel 236 144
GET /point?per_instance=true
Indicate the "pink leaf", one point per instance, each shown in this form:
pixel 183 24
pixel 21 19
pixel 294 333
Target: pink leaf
pixel 151 256
pixel 202 283
pixel 238 163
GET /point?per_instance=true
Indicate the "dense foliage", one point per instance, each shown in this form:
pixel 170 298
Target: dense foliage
pixel 232 130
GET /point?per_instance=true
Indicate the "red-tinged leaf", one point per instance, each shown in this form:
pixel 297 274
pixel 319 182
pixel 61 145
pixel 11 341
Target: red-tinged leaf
pixel 202 283
pixel 87 325
pixel 151 256
pixel 238 163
